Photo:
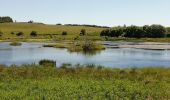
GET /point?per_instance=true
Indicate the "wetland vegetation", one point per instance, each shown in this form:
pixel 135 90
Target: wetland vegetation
pixel 46 80
pixel 15 44
pixel 83 82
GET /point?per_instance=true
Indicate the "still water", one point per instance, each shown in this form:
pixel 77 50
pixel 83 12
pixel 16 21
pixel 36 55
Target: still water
pixel 30 53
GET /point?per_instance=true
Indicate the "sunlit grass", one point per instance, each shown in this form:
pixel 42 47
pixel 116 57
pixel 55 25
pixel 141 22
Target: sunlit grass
pixel 84 82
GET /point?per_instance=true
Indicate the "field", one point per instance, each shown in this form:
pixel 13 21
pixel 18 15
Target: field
pixel 35 82
pixel 53 33
pixel 45 31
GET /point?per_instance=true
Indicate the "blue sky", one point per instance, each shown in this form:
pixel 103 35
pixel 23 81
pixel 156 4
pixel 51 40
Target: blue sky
pixel 99 12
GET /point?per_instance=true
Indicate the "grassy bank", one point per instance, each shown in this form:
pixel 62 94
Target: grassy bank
pixel 83 82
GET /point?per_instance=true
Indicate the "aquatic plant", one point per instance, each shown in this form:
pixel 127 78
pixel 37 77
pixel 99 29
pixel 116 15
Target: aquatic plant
pixel 15 44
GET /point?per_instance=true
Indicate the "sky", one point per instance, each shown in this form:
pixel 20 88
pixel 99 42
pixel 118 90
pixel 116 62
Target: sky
pixel 98 12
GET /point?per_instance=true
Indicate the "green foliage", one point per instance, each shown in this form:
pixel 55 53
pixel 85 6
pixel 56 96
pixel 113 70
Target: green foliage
pixel 1 33
pixel 5 19
pixel 85 46
pixel 47 63
pixel 90 46
pixel 114 32
pixel 153 31
pixel 167 35
pixel 20 34
pixel 83 82
pixel 31 21
pixel 15 44
pixel 64 33
pixel 82 32
pixel 134 32
pixel 33 33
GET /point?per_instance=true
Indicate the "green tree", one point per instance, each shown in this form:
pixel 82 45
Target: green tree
pixel 106 32
pixel 5 19
pixel 156 31
pixel 134 32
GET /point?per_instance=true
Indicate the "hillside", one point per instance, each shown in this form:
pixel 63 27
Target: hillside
pixel 26 28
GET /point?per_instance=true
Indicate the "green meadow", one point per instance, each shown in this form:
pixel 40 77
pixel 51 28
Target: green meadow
pixel 44 31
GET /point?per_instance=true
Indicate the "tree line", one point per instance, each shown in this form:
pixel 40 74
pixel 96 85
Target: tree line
pixel 146 31
pixel 5 19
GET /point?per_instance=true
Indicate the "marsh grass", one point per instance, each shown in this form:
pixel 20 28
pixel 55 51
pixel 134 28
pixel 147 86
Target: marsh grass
pixel 15 44
pixel 83 81
pixel 47 63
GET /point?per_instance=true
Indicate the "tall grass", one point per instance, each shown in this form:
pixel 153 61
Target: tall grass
pixel 84 82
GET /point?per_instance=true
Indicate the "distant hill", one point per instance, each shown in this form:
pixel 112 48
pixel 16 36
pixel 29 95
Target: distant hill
pixel 26 28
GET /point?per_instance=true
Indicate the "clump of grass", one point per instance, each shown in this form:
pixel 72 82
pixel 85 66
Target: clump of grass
pixel 15 44
pixel 47 63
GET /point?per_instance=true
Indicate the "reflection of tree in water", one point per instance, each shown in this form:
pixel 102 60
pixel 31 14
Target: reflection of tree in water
pixel 90 53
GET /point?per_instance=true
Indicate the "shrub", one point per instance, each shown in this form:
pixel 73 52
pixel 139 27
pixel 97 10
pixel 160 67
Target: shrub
pixel 105 32
pixel 31 21
pixel 168 35
pixel 64 33
pixel 82 32
pixel 12 33
pixel 20 34
pixel 33 33
pixel 59 24
pixel 1 33
pixel 47 63
pixel 15 44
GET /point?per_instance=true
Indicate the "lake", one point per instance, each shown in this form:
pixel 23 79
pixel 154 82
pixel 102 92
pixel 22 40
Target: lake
pixel 30 53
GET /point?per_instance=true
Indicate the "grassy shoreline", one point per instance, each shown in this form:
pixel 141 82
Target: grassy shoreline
pixel 99 39
pixel 83 82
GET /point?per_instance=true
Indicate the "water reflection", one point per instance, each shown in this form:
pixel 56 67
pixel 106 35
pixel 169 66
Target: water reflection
pixel 89 53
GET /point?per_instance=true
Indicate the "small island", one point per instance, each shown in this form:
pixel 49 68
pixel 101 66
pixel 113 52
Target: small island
pixel 15 44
